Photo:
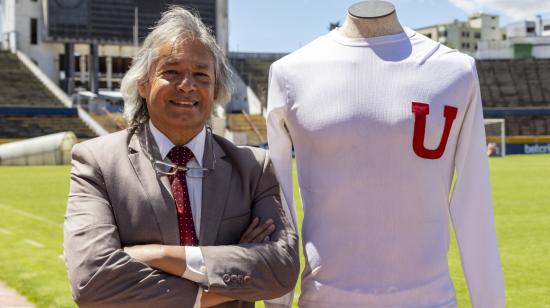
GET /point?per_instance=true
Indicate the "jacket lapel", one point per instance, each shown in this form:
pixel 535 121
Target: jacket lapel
pixel 159 200
pixel 215 189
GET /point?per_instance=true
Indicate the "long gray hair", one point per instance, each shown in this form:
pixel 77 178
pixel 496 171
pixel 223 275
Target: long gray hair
pixel 175 24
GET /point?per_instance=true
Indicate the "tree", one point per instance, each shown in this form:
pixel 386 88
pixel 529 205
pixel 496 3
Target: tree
pixel 332 25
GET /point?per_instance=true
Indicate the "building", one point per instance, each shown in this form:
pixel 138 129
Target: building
pixel 524 40
pixel 537 47
pixel 521 29
pixel 100 35
pixel 465 35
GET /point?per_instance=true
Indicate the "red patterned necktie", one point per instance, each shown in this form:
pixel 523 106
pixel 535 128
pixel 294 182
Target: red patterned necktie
pixel 180 156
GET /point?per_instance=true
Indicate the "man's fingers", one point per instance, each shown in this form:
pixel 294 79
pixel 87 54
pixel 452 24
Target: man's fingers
pixel 251 227
pixel 245 238
pixel 264 235
pixel 258 234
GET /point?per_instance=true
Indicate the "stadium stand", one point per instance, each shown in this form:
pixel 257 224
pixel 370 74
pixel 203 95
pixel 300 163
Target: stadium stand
pixel 28 109
pixel 515 83
pixel 519 92
pixel 515 90
pixel 19 87
pixel 253 125
pixel 21 127
pixel 111 121
pixel 254 70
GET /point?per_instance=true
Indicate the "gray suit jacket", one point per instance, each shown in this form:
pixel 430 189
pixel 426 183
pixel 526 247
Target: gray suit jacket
pixel 116 199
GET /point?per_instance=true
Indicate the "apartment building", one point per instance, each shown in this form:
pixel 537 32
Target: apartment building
pixel 465 35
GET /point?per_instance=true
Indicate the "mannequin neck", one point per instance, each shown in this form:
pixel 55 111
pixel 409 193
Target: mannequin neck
pixel 357 26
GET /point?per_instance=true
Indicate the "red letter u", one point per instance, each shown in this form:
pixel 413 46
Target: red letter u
pixel 421 110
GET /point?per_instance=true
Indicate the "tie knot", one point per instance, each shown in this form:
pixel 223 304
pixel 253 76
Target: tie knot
pixel 180 155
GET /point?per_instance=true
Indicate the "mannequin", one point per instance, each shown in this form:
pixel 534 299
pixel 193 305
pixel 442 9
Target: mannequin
pixel 380 119
pixel 370 19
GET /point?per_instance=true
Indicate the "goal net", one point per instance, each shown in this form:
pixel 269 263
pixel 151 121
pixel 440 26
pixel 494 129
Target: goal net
pixel 496 137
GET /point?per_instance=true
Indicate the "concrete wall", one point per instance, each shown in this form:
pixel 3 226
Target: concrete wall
pixel 9 34
pixel 15 29
pixel 541 51
pixel 495 50
pixel 505 49
pixel 39 53
pixel 222 25
pixel 2 17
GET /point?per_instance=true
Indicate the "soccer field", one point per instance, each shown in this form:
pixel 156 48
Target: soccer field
pixel 33 200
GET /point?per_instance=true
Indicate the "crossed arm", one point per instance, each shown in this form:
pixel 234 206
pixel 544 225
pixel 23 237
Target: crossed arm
pixel 103 274
pixel 172 259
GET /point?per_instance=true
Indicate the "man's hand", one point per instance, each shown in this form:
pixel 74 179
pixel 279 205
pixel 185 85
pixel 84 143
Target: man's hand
pixel 256 232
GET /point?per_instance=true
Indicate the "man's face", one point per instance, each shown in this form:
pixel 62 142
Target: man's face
pixel 180 88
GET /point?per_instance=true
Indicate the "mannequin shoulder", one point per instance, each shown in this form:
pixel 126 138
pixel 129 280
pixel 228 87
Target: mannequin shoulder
pixel 429 52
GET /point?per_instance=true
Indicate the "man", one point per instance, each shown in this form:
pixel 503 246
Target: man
pixel 141 200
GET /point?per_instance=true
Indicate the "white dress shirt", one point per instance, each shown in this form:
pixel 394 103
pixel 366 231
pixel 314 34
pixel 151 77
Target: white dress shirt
pixel 195 269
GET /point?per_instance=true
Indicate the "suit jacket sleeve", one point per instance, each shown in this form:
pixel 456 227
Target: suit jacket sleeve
pixel 267 270
pixel 100 272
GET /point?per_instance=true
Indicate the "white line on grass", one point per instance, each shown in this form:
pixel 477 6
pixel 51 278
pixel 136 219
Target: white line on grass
pixel 5 231
pixel 33 243
pixel 32 216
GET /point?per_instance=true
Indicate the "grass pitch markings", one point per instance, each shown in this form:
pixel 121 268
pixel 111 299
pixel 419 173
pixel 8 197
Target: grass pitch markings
pixel 5 231
pixel 33 243
pixel 29 215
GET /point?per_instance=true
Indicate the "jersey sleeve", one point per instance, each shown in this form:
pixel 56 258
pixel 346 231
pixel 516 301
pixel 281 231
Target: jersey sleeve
pixel 278 136
pixel 471 208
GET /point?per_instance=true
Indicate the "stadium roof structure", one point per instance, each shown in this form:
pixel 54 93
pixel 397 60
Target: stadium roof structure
pixel 111 21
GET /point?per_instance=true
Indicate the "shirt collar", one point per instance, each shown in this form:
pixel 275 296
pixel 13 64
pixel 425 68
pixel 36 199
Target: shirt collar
pixel 196 145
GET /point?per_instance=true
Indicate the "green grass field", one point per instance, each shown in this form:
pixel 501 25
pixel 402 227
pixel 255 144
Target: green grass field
pixel 32 204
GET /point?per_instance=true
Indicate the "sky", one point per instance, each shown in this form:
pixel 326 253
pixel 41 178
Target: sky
pixel 286 25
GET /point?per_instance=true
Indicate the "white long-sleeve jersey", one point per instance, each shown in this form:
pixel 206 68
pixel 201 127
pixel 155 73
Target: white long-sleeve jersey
pixel 379 127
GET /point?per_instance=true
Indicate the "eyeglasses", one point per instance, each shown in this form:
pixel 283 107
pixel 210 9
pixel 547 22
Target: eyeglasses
pixel 165 168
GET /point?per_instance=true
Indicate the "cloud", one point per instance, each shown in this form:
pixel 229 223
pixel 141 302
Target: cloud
pixel 513 9
pixel 467 6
